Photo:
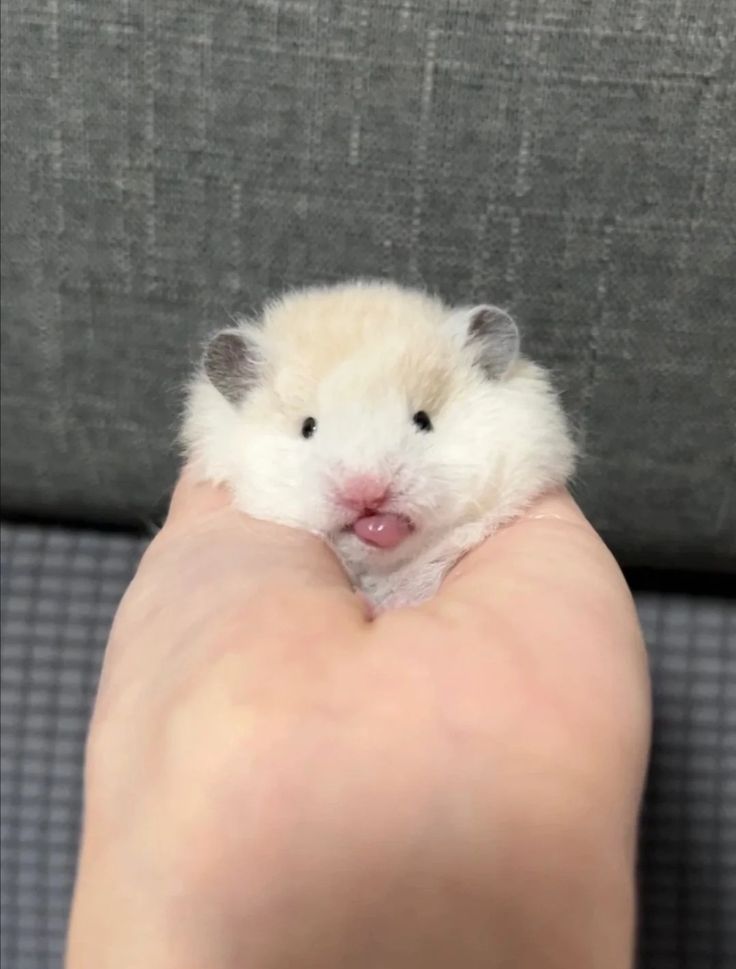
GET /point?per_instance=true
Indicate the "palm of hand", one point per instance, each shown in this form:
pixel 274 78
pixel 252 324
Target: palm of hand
pixel 399 788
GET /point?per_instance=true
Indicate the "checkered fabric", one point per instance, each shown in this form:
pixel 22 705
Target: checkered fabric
pixel 688 847
pixel 166 162
pixel 59 591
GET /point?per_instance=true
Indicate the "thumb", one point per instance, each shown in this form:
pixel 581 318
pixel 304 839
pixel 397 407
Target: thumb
pixel 194 498
pixel 230 547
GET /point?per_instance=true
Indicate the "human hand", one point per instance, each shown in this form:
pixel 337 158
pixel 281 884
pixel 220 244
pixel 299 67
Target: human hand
pixel 274 781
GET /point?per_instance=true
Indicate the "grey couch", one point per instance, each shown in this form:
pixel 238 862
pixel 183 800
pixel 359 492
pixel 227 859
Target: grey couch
pixel 167 163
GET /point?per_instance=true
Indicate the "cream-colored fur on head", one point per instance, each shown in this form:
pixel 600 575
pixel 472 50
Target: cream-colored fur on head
pixel 361 359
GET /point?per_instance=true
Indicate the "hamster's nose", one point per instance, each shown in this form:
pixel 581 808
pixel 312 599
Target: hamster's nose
pixel 362 492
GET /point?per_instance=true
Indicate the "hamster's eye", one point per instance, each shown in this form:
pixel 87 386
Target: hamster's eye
pixel 421 419
pixel 309 426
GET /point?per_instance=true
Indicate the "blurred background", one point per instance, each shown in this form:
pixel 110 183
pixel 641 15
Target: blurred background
pixel 166 164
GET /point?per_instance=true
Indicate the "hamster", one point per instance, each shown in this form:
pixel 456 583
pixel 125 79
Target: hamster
pixel 400 430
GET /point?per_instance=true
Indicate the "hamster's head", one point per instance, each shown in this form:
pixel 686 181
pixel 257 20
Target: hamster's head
pixel 377 417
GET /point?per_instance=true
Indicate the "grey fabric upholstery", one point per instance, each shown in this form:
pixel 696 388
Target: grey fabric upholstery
pixel 167 163
pixel 59 590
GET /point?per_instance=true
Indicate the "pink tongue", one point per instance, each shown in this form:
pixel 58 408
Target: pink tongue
pixel 385 531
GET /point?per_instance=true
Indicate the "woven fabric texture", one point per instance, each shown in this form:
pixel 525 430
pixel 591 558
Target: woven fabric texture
pixel 59 591
pixel 165 164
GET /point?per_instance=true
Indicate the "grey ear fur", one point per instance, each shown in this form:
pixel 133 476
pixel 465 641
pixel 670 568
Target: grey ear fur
pixel 231 364
pixel 498 336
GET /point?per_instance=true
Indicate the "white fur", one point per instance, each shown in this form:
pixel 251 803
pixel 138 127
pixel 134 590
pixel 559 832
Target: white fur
pixel 361 359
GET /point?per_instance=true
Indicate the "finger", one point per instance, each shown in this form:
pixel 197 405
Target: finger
pixel 548 591
pixel 549 539
pixel 257 552
pixel 558 505
pixel 194 498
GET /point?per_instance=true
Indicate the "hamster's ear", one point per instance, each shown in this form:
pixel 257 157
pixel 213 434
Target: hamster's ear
pixel 231 364
pixel 492 333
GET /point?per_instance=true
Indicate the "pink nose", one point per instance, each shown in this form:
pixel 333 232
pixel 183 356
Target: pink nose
pixel 362 492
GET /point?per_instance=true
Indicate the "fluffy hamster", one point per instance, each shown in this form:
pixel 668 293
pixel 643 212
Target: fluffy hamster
pixel 400 430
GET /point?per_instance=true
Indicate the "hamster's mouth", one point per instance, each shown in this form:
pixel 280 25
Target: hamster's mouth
pixel 385 530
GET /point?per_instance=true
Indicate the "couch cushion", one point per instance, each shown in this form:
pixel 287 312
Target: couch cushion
pixel 167 164
pixel 60 588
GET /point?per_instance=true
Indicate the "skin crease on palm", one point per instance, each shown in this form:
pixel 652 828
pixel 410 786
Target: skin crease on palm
pixel 274 781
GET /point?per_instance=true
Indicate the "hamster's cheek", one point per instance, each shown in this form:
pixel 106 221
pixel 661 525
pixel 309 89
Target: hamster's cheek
pixel 277 480
pixel 451 471
pixel 461 473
